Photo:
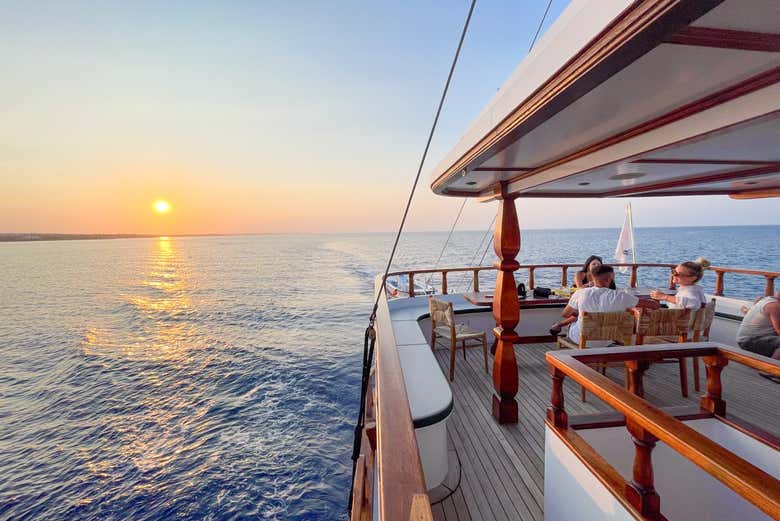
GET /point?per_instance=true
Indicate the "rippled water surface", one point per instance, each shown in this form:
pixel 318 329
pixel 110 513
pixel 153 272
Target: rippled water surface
pixel 217 377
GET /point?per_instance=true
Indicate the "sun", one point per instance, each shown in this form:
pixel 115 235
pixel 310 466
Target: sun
pixel 162 206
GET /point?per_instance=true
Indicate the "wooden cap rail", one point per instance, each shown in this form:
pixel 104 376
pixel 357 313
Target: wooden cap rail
pixel 648 424
pixel 401 482
pixel 720 271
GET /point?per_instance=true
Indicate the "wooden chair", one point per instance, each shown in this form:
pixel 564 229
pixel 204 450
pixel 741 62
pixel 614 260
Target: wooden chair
pixel 699 326
pixel 443 325
pixel 662 326
pixel 614 326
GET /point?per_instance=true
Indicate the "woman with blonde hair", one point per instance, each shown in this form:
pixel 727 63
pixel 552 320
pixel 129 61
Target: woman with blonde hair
pixel 689 294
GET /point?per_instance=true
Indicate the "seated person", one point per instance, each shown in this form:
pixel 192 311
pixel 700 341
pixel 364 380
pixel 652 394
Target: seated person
pixel 601 298
pixel 689 294
pixel 584 277
pixel 760 329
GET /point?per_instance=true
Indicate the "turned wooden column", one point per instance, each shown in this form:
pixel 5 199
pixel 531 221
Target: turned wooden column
pixel 640 491
pixel 555 412
pixel 712 401
pixel 506 310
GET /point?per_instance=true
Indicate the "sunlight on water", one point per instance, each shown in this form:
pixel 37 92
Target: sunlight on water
pixel 217 377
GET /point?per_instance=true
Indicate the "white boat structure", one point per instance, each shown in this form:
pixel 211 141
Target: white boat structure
pixel 644 98
pixel 397 286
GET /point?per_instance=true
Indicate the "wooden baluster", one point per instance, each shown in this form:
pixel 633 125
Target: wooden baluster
pixel 635 371
pixel 712 400
pixel 769 289
pixel 476 281
pixel 411 285
pixel 640 491
pixel 719 283
pixel 671 279
pixel 564 278
pixel 443 282
pixel 506 310
pixel 531 283
pixel 632 279
pixel 555 412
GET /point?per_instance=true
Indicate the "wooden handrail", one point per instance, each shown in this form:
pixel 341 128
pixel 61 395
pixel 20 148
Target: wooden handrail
pixel 400 487
pixel 720 271
pixel 647 423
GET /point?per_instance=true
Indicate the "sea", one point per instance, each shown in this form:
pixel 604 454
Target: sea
pixel 217 378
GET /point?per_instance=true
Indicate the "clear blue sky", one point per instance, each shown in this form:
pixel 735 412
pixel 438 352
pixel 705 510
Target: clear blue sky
pixel 262 116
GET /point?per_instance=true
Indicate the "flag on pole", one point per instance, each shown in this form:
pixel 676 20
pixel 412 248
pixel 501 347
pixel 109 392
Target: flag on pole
pixel 624 251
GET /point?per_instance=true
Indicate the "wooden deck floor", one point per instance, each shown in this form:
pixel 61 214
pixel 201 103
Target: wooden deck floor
pixel 502 466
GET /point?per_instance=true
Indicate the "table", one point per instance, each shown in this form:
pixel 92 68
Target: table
pixel 486 299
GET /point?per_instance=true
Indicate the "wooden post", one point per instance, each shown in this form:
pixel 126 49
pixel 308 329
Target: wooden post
pixel 719 283
pixel 712 400
pixel 635 371
pixel 555 412
pixel 411 285
pixel 769 289
pixel 531 283
pixel 564 277
pixel 443 282
pixel 506 310
pixel 640 491
pixel 632 279
pixel 476 281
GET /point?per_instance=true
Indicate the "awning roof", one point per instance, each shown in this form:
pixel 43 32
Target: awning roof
pixel 642 98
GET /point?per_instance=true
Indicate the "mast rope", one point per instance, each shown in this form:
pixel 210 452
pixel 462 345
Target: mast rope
pixel 463 280
pixel 370 334
pixel 474 257
pixel 446 242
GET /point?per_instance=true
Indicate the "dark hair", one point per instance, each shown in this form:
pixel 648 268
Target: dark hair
pixel 603 270
pixel 588 261
pixel 697 267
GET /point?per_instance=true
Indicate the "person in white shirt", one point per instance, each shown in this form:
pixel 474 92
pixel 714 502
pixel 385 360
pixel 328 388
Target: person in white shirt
pixel 760 329
pixel 689 294
pixel 600 298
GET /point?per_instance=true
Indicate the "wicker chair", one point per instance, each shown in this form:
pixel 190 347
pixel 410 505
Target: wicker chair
pixel 443 325
pixel 614 326
pixel 663 326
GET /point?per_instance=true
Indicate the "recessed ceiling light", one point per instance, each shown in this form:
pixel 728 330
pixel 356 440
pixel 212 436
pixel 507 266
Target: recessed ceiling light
pixel 471 183
pixel 584 183
pixel 627 175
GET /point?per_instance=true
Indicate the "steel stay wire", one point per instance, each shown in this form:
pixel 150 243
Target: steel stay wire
pixel 370 334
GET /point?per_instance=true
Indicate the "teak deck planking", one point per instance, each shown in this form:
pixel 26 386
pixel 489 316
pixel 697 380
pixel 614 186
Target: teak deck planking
pixel 502 466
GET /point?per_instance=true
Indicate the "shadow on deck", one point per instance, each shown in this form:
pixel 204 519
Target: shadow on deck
pixel 502 466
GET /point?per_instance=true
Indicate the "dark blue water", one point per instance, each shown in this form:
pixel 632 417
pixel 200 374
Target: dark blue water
pixel 217 378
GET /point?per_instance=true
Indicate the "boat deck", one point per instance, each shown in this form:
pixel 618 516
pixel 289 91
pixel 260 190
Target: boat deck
pixel 502 466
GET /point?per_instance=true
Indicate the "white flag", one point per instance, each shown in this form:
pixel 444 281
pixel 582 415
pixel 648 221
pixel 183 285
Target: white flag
pixel 624 251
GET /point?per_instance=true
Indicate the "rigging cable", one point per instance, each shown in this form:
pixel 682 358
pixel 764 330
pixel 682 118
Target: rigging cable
pixel 476 252
pixel 530 48
pixel 446 242
pixel 370 334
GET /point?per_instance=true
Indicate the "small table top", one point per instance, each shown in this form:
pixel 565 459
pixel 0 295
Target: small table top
pixel 486 299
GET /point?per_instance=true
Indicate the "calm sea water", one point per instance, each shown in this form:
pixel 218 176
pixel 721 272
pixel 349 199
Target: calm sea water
pixel 217 378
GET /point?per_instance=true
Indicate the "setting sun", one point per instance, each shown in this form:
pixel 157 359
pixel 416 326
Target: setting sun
pixel 161 206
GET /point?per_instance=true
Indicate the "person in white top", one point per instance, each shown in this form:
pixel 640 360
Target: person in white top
pixel 760 329
pixel 689 294
pixel 600 298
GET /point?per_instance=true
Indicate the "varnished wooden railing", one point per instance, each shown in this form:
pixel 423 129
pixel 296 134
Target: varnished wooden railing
pixel 648 424
pixel 720 271
pixel 389 443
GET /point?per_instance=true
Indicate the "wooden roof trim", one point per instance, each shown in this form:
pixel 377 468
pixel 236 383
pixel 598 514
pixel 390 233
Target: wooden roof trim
pixel 726 39
pixel 611 50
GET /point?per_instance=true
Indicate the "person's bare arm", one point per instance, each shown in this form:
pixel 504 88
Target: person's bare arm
pixel 647 303
pixel 660 295
pixel 580 279
pixel 773 311
pixel 569 311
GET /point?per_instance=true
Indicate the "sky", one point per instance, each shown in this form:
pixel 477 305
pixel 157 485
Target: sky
pixel 264 117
